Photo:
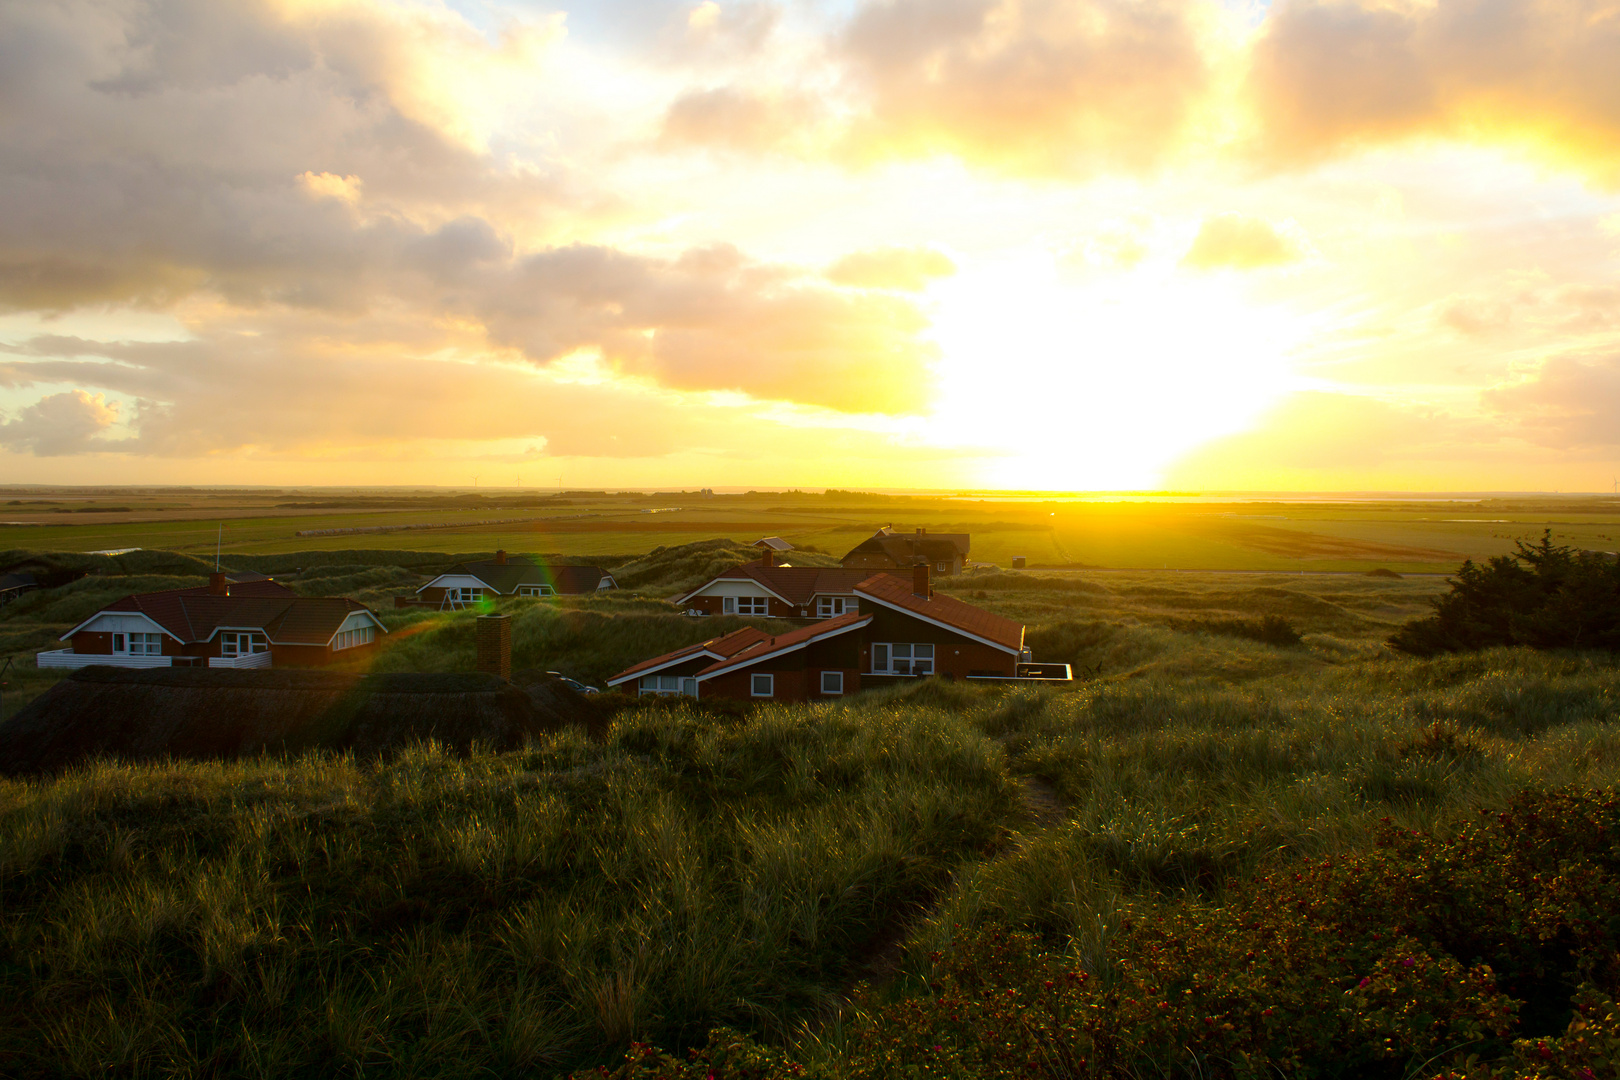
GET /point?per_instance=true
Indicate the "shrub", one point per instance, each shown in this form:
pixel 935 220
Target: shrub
pixel 1544 595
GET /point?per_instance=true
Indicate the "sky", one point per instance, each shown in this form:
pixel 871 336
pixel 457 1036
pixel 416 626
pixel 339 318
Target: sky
pixel 1365 245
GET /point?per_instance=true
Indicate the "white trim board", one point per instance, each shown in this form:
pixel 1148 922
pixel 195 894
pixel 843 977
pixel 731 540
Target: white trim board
pixel 806 643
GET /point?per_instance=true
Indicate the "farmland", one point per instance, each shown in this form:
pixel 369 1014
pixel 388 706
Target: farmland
pixel 1163 532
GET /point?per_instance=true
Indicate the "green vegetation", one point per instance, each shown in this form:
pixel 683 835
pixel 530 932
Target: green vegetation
pixel 1247 806
pixel 1544 595
pixel 530 913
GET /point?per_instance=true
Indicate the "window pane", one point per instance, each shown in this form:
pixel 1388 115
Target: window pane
pixel 762 685
pixel 923 652
pixel 902 651
pixel 880 658
pixel 832 682
pixel 689 687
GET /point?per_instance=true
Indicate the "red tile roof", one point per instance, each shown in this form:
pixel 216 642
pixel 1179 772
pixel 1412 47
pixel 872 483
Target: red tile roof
pixel 784 642
pixel 193 615
pixel 945 610
pixel 796 585
pixel 721 647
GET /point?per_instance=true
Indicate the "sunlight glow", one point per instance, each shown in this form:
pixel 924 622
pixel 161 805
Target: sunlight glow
pixel 1102 384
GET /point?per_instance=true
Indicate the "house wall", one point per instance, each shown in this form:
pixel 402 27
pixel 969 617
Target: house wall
pixel 954 654
pixel 798 673
pixel 316 655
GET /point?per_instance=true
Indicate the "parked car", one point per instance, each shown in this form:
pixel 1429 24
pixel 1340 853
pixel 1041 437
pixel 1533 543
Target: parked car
pixel 573 684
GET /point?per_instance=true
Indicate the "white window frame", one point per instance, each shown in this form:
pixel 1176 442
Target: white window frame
pixel 754 684
pixel 667 686
pixel 754 606
pixel 145 643
pixel 828 607
pixel 242 643
pixel 353 639
pixel 536 590
pixel 836 678
pixel 903 658
pixel 942 568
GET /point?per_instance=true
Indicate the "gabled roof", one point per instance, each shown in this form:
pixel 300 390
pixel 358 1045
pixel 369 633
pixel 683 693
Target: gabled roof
pixel 505 577
pixel 716 648
pixel 904 549
pixel 195 615
pixel 786 643
pixel 796 585
pixel 775 543
pixel 944 611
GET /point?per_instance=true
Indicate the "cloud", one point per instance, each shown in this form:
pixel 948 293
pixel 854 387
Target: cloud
pixel 59 424
pixel 1330 77
pixel 1052 87
pixel 1240 242
pixel 1568 403
pixel 905 269
pixel 738 118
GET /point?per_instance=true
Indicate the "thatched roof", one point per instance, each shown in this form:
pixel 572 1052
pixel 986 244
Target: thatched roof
pixel 221 713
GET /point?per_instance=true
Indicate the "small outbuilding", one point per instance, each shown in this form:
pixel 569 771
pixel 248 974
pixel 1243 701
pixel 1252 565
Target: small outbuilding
pixel 466 584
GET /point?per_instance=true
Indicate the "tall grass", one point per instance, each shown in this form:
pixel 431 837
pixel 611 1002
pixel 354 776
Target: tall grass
pixel 461 917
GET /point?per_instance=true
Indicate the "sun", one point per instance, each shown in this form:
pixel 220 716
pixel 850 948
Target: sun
pixel 1099 383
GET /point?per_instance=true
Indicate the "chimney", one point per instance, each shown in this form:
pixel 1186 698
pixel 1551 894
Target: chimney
pixel 500 557
pixel 769 558
pixel 217 585
pixel 919 581
pixel 495 644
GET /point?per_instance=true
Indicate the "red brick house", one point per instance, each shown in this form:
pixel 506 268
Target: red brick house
pixel 945 553
pixel 898 630
pixel 469 583
pixel 249 623
pixel 765 590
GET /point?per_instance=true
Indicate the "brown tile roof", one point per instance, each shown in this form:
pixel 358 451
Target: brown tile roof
pixel 904 549
pixel 796 585
pixel 945 610
pixel 771 646
pixel 193 615
pixel 724 646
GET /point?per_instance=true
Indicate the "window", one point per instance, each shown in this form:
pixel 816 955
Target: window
pixel 828 606
pixel 470 595
pixel 146 644
pixel 241 643
pixel 120 643
pixel 668 684
pixel 536 590
pixel 942 568
pixel 746 605
pixel 898 658
pixel 762 685
pixel 832 682
pixel 348 639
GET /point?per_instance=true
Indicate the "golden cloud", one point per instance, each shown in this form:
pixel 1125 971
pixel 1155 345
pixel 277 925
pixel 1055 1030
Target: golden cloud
pixel 903 269
pixel 1026 86
pixel 1327 76
pixel 1240 242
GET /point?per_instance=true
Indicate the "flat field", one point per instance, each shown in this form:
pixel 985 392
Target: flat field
pixel 1177 533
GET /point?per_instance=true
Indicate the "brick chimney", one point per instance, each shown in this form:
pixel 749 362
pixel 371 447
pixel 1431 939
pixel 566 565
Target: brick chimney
pixel 494 637
pixel 500 557
pixel 768 558
pixel 919 581
pixel 218 585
